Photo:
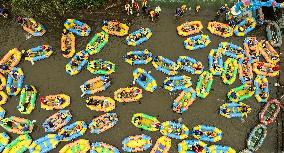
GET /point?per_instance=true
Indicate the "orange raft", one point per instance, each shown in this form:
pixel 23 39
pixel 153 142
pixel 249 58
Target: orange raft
pixel 100 103
pixel 126 95
pixel 189 28
pixel 116 28
pixel 67 44
pixel 10 60
pixel 220 29
pixel 52 102
pixel 268 52
pixel 266 69
pixel 33 27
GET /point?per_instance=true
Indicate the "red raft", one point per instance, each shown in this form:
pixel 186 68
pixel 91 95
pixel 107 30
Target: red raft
pixel 270 111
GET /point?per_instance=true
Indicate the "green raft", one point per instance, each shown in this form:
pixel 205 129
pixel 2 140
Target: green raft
pixel 19 145
pixel 27 99
pixel 241 93
pixel 256 137
pixel 204 84
pixel 230 71
pixel 145 122
pixel 101 67
pixel 97 43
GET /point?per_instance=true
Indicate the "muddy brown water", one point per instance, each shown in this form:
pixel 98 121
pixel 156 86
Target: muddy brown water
pixel 49 77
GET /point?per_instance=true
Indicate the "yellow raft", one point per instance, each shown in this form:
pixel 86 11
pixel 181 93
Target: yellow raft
pixel 52 102
pixel 162 145
pixel 78 146
pixel 10 60
pixel 3 98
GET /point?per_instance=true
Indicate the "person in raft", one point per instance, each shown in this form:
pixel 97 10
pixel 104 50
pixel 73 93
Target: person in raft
pixel 4 12
pixel 144 5
pixel 135 7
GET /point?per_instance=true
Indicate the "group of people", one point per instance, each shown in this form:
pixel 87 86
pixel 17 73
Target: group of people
pixel 133 8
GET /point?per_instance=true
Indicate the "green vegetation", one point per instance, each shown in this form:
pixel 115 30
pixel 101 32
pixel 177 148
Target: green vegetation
pixel 52 8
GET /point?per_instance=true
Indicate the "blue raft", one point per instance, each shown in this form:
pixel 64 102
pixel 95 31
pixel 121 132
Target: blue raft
pixel 15 81
pixel 234 110
pixel 99 147
pixel 196 42
pixel 207 133
pixel 190 65
pixel 44 144
pixel 261 89
pixel 215 62
pixel 176 83
pixel 231 50
pixel 72 131
pixel 165 65
pixel 221 149
pixel 190 146
pixel 4 140
pixel 77 63
pixel 138 37
pixel 138 57
pixel 145 79
pixel 38 53
pixel 2 112
pixel 77 27
pixel 174 130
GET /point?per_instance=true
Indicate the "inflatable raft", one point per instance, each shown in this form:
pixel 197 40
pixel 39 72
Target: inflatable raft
pixel 33 27
pixel 99 147
pixel 101 67
pixel 38 53
pixel 256 137
pixel 251 48
pixel 197 42
pixel 44 144
pixel 103 123
pixel 230 71
pixel 215 62
pixel 241 93
pixel 27 99
pixel 15 81
pixel 2 81
pixel 204 84
pixel 126 95
pixel 57 121
pixel 138 57
pixel 10 60
pixel 220 29
pixel 95 85
pixel 192 146
pixel 116 28
pixel 270 111
pixel 184 100
pixel 18 145
pixel 145 79
pixel 261 88
pixel 274 34
pixel 51 102
pixel 231 50
pixel 189 28
pixel 190 65
pixel 234 110
pixel 138 37
pixel 174 130
pixel 221 149
pixel 245 70
pixel 77 63
pixel 268 52
pixel 100 103
pixel 163 145
pixel 79 146
pixel 165 65
pixel 3 98
pixel 72 131
pixel 97 43
pixel 17 125
pixel 136 143
pixel 77 27
pixel 2 112
pixel 245 27
pixel 145 122
pixel 266 69
pixel 176 83
pixel 4 140
pixel 207 133
pixel 68 44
